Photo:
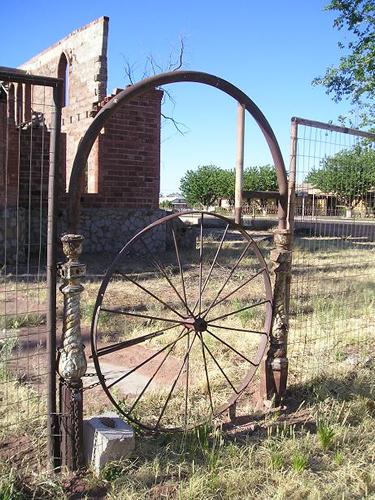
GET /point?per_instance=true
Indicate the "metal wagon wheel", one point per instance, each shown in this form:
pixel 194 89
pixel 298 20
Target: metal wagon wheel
pixel 181 322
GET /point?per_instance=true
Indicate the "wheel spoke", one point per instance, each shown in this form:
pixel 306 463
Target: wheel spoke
pixel 237 329
pixel 180 268
pixel 155 373
pixel 238 288
pixel 232 348
pixel 228 277
pixel 161 268
pixel 255 304
pixel 127 343
pixel 187 382
pixel 175 382
pixel 200 265
pixel 138 315
pixel 145 362
pixel 213 264
pixel 217 364
pixel 206 372
pixel 151 294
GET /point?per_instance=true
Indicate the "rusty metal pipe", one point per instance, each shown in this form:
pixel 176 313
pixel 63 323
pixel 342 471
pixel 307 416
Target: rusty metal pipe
pixel 239 163
pixel 87 141
pixel 54 154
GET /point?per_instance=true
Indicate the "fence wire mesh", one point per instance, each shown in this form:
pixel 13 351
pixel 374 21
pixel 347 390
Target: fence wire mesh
pixel 333 279
pixel 25 132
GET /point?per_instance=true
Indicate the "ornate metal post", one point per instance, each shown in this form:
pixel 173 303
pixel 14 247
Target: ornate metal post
pixel 72 361
pixel 275 369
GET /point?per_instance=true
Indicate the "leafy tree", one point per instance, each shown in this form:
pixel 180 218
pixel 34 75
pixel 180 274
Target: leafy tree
pixel 203 186
pixel 208 184
pixel 354 76
pixel 262 178
pixel 349 175
pixel 167 204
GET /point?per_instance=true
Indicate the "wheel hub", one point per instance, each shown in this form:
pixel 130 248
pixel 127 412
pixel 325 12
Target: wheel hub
pixel 198 324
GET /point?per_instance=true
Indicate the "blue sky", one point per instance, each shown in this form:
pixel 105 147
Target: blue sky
pixel 271 50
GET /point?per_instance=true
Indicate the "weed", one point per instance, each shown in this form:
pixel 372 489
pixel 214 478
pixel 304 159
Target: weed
pixel 299 462
pixel 14 322
pixel 6 347
pixel 338 458
pixel 326 436
pixel 9 487
pixel 277 460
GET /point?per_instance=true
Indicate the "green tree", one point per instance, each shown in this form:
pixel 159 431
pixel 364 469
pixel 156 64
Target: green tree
pixel 349 176
pixel 261 178
pixel 203 186
pixel 209 183
pixel 354 76
pixel 167 204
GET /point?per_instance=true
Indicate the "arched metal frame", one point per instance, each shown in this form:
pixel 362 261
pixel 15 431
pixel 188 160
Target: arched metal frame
pixel 87 141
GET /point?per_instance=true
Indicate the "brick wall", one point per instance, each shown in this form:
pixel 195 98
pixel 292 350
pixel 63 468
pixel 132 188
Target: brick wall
pixel 129 156
pixel 123 172
pixel 124 165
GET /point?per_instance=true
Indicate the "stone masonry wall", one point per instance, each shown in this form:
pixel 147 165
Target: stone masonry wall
pixel 107 230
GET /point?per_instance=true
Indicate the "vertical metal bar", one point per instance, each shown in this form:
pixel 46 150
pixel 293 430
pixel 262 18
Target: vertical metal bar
pixel 54 157
pixel 239 163
pixel 292 174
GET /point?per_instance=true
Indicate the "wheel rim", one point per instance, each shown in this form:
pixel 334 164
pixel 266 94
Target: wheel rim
pixel 185 327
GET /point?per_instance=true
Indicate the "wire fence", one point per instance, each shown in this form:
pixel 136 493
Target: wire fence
pixel 332 301
pixel 25 136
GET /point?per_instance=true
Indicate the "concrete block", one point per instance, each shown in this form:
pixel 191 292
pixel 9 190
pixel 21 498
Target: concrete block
pixel 106 438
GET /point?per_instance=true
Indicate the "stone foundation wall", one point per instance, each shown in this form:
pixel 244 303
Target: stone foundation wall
pixel 107 230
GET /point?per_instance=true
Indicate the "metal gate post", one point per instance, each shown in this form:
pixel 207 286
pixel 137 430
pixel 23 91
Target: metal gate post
pixel 72 360
pixel 239 163
pixel 53 175
pixel 275 369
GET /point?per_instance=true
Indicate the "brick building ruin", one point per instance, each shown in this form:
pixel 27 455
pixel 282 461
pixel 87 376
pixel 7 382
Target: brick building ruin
pixel 123 171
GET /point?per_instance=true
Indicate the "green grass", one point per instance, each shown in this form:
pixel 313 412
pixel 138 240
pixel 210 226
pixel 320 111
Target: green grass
pixel 16 321
pixel 325 451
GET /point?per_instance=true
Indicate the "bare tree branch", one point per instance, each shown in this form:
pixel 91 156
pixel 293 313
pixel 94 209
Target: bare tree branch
pixel 152 67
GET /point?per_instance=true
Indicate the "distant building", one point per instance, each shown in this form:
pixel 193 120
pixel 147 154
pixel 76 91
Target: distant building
pixel 177 201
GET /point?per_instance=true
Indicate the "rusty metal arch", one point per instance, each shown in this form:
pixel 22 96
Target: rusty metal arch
pixel 87 141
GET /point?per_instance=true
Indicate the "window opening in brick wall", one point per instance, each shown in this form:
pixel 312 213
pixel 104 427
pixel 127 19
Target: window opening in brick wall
pixel 63 73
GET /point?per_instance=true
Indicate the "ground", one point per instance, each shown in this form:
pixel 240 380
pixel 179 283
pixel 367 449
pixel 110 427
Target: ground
pixel 319 446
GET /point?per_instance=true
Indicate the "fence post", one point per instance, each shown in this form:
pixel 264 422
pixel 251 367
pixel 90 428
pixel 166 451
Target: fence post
pixel 275 368
pixel 239 163
pixel 72 360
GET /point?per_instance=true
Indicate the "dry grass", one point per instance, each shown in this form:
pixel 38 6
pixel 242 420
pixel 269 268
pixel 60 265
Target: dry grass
pixel 283 457
pixel 324 450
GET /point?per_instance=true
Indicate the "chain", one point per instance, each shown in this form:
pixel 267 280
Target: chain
pixel 76 396
pixel 95 384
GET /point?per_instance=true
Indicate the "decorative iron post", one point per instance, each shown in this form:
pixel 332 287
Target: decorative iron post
pixel 72 361
pixel 275 367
